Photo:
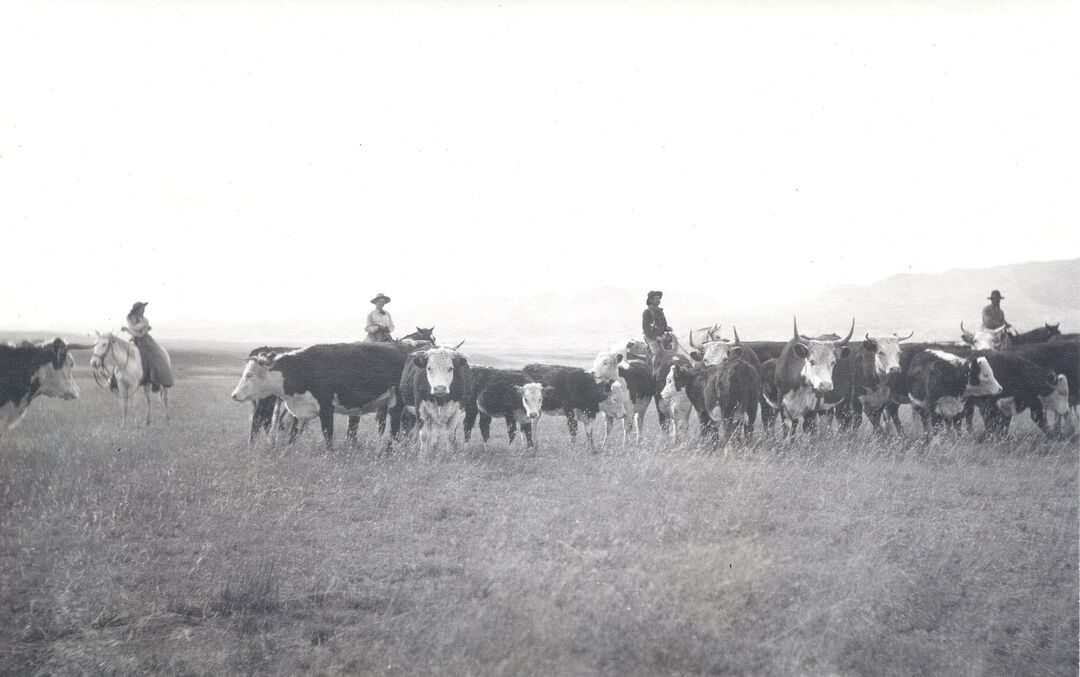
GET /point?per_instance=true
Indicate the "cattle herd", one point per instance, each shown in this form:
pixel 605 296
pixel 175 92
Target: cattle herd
pixel 729 383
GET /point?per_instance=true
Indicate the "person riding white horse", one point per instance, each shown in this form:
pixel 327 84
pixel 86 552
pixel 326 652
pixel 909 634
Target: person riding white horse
pixel 118 366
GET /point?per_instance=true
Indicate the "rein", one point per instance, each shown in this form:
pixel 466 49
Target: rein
pixel 102 372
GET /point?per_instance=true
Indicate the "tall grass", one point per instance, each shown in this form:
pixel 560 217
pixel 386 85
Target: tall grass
pixel 177 549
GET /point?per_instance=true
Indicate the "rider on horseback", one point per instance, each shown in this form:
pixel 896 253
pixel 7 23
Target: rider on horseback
pixel 653 322
pixel 157 369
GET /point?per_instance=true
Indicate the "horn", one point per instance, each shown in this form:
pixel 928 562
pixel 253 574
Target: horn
pixel 692 339
pixel 736 332
pixel 459 345
pixel 851 331
pixel 898 339
pixel 795 322
pixel 999 329
pixel 963 331
pixel 80 346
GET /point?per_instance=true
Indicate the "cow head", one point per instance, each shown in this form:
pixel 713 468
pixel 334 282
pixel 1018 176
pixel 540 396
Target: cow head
pixel 258 379
pixel 1057 400
pixel 985 339
pixel 885 351
pixel 980 380
pixel 678 378
pixel 819 357
pixel 606 365
pixel 54 375
pixel 532 398
pixel 440 364
pixel 716 350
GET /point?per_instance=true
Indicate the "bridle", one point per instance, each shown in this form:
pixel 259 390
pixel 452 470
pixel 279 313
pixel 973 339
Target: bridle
pixel 102 371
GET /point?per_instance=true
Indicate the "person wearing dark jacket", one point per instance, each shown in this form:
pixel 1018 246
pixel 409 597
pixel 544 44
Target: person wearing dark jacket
pixel 653 322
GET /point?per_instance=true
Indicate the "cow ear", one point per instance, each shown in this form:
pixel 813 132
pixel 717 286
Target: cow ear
pixel 59 350
pixel 844 352
pixel 420 360
pixel 460 361
pixel 519 390
pixel 1053 380
pixel 619 357
pixel 735 352
pixel 869 345
pixel 548 391
pixel 973 371
pixel 801 350
pixel 696 356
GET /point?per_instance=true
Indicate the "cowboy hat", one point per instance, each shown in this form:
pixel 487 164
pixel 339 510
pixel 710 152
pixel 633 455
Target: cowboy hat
pixel 381 297
pixel 139 305
pixel 995 295
pixel 654 293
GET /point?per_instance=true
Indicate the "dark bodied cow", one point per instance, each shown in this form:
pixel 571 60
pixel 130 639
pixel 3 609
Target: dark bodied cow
pixel 1025 386
pixel 503 393
pixel 573 391
pixel 673 403
pixel 1060 357
pixel 435 386
pixel 321 380
pixel 898 384
pixel 1047 332
pixel 940 383
pixel 28 371
pixel 765 350
pixel 727 394
pixel 875 372
pixel 804 376
pixel 770 396
pixel 692 382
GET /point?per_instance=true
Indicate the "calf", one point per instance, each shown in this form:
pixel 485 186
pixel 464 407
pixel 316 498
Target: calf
pixel 674 403
pixel 503 393
pixel 28 371
pixel 269 414
pixel 804 375
pixel 573 391
pixel 691 382
pixel 435 386
pixel 321 380
pixel 939 384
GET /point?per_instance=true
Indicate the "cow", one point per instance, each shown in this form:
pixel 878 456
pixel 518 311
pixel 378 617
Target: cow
pixel 573 391
pixel 804 375
pixel 436 385
pixel 636 375
pixel 770 396
pixel 1025 385
pixel 986 339
pixel 939 384
pixel 1047 332
pixel 875 370
pixel 617 406
pixel 324 379
pixel 1061 357
pixel 717 350
pixel 28 371
pixel 269 414
pixel 503 393
pixel 726 393
pixel 675 404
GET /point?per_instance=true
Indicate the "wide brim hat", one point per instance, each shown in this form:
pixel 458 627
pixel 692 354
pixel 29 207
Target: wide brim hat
pixel 654 293
pixel 381 297
pixel 995 295
pixel 139 305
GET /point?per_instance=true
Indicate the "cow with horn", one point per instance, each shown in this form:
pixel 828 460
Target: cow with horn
pixel 875 377
pixel 986 339
pixel 804 375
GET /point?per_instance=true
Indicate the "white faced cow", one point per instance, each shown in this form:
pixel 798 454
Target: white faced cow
pixel 27 371
pixel 986 339
pixel 435 386
pixel 804 374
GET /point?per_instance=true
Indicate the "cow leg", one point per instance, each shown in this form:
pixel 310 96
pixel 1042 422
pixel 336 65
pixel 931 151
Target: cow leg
pixel 875 422
pixel 527 431
pixel 571 424
pixel 511 429
pixel 380 420
pixel 588 418
pixel 1038 415
pixel 326 420
pixel 893 411
pixel 485 428
pixel 350 431
pixel 470 421
pixel 662 413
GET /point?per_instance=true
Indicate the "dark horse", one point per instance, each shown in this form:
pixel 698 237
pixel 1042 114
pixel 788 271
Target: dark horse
pixel 1038 335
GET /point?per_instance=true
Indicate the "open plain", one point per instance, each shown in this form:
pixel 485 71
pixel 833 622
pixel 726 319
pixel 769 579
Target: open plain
pixel 177 549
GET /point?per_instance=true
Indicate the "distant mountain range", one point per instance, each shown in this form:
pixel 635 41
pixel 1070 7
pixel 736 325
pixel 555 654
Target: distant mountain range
pixel 571 328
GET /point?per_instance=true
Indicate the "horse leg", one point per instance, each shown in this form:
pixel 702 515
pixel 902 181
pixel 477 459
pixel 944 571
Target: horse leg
pixel 165 401
pixel 146 392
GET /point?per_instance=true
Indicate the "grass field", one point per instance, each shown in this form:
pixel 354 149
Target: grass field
pixel 177 549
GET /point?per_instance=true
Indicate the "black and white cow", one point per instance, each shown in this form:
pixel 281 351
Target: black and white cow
pixel 28 371
pixel 321 380
pixel 573 391
pixel 939 384
pixel 875 371
pixel 1025 386
pixel 503 393
pixel 435 387
pixel 804 376
pixel 269 414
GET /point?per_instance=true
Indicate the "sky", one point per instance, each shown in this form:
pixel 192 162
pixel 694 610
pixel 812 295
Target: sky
pixel 238 161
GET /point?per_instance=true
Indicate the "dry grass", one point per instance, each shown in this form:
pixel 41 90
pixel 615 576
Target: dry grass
pixel 177 549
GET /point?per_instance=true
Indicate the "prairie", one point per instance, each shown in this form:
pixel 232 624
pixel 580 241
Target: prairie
pixel 177 549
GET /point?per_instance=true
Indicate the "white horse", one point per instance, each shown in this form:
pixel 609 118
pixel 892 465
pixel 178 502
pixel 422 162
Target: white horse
pixel 118 362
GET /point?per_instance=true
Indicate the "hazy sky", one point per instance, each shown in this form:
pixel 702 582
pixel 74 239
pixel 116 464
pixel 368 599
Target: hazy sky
pixel 253 160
